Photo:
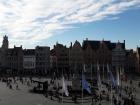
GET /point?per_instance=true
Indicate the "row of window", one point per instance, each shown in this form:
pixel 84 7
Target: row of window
pixel 29 65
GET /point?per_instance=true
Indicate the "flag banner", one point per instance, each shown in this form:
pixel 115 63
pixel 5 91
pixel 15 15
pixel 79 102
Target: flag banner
pixel 111 77
pixel 118 77
pixel 85 85
pixel 122 72
pixel 98 76
pixel 91 73
pixel 103 72
pixel 84 68
pixel 64 87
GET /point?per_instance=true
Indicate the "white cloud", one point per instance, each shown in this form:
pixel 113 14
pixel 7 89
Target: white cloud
pixel 113 18
pixel 36 20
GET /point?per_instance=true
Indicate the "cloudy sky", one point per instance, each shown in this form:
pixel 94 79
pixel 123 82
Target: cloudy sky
pixel 44 22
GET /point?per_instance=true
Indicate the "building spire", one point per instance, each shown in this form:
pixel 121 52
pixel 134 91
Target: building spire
pixel 5 43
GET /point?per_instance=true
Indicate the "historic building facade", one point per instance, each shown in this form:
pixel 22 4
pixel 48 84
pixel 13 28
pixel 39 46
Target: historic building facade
pixel 76 60
pixel 99 54
pixel 29 61
pixel 3 50
pixel 88 56
pixel 61 56
pixel 130 61
pixel 118 56
pixel 15 59
pixel 53 61
pixel 42 54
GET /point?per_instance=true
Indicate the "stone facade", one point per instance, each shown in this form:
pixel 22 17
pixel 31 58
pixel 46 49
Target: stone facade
pixel 15 59
pixel 42 54
pixel 118 56
pixel 29 61
pixel 3 50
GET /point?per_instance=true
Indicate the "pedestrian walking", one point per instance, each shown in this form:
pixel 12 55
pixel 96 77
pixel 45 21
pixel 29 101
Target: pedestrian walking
pixel 10 86
pixel 17 87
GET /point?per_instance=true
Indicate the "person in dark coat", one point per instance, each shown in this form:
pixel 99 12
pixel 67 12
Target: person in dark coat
pixel 92 100
pixel 115 101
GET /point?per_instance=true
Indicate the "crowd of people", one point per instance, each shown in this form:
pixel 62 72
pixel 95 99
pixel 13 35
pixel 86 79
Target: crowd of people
pixel 113 95
pixel 108 94
pixel 13 82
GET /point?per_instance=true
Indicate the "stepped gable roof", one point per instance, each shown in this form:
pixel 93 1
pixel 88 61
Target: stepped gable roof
pixel 77 44
pixel 29 52
pixel 96 44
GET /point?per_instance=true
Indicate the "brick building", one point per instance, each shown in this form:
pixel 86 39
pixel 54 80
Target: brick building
pixel 61 56
pixel 76 59
pixel 101 53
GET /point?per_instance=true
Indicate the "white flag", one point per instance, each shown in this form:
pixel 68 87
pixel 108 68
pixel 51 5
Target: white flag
pixel 84 68
pixel 118 76
pixel 64 87
pixel 98 75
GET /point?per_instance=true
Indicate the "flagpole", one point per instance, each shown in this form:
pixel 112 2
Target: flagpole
pixel 111 93
pixel 62 86
pixel 117 69
pixel 91 66
pixel 109 83
pixel 69 65
pixel 85 85
pixel 99 78
pixel 121 79
pixel 103 72
pixel 82 84
pixel 91 74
